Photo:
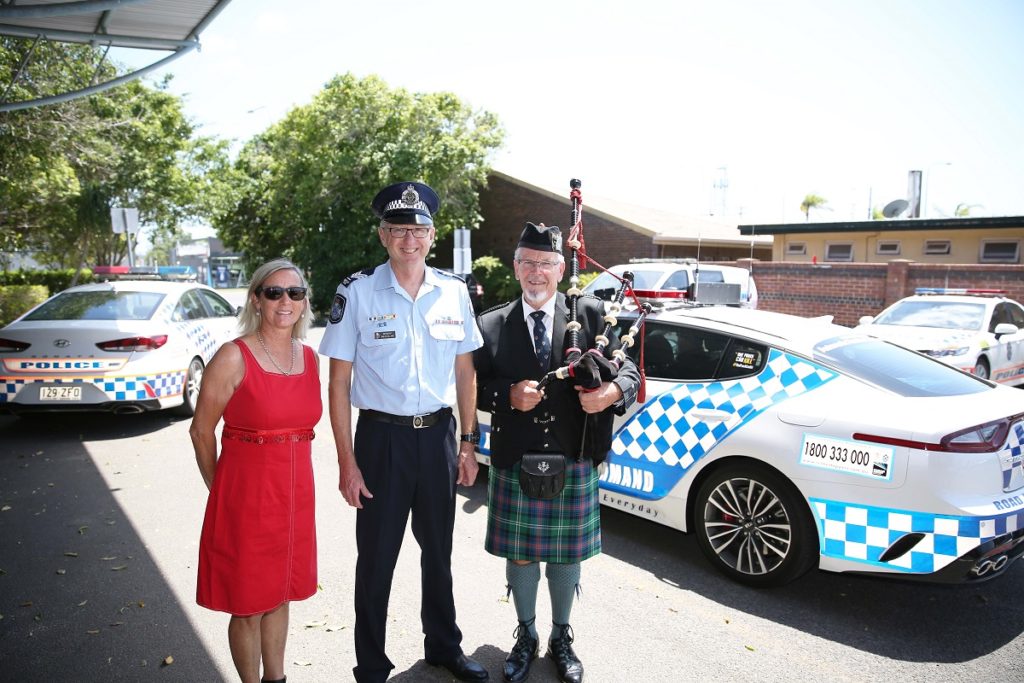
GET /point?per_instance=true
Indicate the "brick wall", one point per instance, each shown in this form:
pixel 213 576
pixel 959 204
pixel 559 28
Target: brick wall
pixel 851 290
pixel 508 207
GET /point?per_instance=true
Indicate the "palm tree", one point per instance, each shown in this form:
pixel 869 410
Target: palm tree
pixel 963 209
pixel 812 201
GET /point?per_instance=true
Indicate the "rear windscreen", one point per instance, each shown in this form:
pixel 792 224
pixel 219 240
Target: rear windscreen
pixel 103 305
pixel 894 368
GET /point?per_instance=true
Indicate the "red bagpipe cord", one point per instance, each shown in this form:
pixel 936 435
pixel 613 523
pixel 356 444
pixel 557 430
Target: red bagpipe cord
pixel 576 235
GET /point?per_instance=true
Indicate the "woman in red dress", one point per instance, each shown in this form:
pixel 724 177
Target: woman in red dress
pixel 257 551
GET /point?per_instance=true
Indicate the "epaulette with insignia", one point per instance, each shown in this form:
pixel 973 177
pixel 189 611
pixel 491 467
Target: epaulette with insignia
pixel 449 274
pixel 356 276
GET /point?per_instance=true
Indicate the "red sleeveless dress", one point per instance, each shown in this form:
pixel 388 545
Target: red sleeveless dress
pixel 258 544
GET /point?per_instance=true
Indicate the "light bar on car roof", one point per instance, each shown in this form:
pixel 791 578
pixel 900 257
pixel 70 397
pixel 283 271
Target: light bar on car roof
pixel 957 290
pixel 661 294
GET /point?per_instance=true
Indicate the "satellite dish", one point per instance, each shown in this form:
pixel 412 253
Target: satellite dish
pixel 895 208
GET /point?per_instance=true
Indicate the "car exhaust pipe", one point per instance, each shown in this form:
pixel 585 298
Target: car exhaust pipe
pixel 128 410
pixel 989 565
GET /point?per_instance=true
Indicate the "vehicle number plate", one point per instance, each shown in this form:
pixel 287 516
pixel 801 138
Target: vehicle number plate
pixel 68 393
pixel 853 457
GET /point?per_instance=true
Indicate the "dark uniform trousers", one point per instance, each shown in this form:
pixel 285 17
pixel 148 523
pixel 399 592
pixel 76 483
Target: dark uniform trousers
pixel 406 469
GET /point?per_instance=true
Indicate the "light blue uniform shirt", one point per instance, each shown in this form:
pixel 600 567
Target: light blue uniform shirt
pixel 402 350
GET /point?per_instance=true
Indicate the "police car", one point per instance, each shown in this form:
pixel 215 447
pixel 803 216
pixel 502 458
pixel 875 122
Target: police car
pixel 669 282
pixel 122 346
pixel 976 330
pixel 786 443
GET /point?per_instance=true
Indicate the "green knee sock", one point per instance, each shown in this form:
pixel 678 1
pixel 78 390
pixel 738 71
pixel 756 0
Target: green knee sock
pixel 563 581
pixel 523 580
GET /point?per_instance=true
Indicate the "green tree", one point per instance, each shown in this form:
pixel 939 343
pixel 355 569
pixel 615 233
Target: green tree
pixel 302 188
pixel 812 201
pixel 62 167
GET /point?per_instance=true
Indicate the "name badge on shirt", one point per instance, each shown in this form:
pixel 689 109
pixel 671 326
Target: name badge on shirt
pixel 389 334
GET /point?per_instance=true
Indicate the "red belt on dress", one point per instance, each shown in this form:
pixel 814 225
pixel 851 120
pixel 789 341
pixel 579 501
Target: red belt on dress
pixel 268 436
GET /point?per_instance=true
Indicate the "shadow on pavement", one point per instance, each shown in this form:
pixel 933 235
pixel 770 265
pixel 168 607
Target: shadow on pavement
pixel 81 597
pixel 899 619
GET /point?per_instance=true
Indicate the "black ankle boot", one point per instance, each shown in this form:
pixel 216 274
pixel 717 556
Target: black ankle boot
pixel 517 664
pixel 569 666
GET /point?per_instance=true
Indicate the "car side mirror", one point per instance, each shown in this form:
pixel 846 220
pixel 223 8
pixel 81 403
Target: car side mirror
pixel 238 311
pixel 1005 328
pixel 866 319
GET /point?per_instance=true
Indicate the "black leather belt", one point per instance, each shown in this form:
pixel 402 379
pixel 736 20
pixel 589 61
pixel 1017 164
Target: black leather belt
pixel 414 421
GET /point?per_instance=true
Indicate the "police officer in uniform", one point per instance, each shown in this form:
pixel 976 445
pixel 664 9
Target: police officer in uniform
pixel 400 339
pixel 523 340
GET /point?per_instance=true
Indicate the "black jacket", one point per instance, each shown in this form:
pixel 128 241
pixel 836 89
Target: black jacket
pixel 558 423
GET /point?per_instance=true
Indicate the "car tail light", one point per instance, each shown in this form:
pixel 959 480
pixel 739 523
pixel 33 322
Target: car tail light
pixel 12 345
pixel 984 438
pixel 134 343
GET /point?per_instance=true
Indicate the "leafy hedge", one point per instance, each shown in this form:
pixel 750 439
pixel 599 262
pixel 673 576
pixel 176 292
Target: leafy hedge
pixel 16 299
pixel 53 280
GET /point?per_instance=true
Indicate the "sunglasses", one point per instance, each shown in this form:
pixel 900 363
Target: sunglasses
pixel 275 293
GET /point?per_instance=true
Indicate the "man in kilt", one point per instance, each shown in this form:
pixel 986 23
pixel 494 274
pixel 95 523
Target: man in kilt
pixel 523 340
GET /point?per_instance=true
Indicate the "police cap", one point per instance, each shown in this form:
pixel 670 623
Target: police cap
pixel 406 203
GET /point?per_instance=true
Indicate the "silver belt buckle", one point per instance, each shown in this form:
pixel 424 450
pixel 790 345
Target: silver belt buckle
pixel 417 422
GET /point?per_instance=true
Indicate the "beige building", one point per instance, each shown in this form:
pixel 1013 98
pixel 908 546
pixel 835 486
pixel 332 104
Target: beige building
pixel 939 240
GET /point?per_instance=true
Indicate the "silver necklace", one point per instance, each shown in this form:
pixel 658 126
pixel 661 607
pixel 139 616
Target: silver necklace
pixel 291 366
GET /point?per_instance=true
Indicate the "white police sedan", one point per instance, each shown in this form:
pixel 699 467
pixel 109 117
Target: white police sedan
pixel 976 330
pixel 786 443
pixel 122 347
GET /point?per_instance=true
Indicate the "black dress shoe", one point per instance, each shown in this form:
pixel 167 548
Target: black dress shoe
pixel 517 664
pixel 463 668
pixel 569 666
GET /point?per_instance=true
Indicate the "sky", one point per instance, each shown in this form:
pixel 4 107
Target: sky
pixel 733 108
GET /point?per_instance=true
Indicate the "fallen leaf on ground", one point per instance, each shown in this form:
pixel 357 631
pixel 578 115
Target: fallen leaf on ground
pixel 82 529
pixel 93 631
pixel 301 663
pixel 117 623
pixel 70 554
pixel 141 603
pixel 108 559
pixel 330 629
pixel 168 660
pixel 315 624
pixel 118 567
pixel 749 648
pixel 82 604
pixel 5 508
pixel 62 572
pixel 27 603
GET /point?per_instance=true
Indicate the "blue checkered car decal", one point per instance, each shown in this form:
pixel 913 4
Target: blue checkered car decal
pixel 161 385
pixel 661 440
pixel 862 533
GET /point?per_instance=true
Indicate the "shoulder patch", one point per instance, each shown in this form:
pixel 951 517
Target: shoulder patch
pixel 356 276
pixel 337 309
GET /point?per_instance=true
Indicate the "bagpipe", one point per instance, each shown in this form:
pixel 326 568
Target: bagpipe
pixel 589 369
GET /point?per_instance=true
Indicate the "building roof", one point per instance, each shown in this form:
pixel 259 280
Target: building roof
pixel 663 227
pixel 160 25
pixel 903 225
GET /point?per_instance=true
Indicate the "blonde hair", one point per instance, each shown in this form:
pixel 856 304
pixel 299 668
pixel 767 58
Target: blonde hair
pixel 249 322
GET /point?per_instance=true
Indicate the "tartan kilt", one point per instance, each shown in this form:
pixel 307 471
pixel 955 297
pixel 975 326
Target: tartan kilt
pixel 565 529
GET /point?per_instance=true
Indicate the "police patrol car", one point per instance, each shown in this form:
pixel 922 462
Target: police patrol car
pixel 786 443
pixel 976 330
pixel 122 346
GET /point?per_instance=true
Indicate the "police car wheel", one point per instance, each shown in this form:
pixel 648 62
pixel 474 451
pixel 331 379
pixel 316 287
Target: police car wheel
pixel 753 526
pixel 981 368
pixel 190 392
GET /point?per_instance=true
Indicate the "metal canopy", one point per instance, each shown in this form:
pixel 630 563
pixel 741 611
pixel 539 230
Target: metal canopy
pixel 160 25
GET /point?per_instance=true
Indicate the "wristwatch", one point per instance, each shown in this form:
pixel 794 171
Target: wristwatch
pixel 473 437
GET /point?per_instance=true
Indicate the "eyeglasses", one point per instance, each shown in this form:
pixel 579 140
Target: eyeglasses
pixel 539 265
pixel 275 293
pixel 418 233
